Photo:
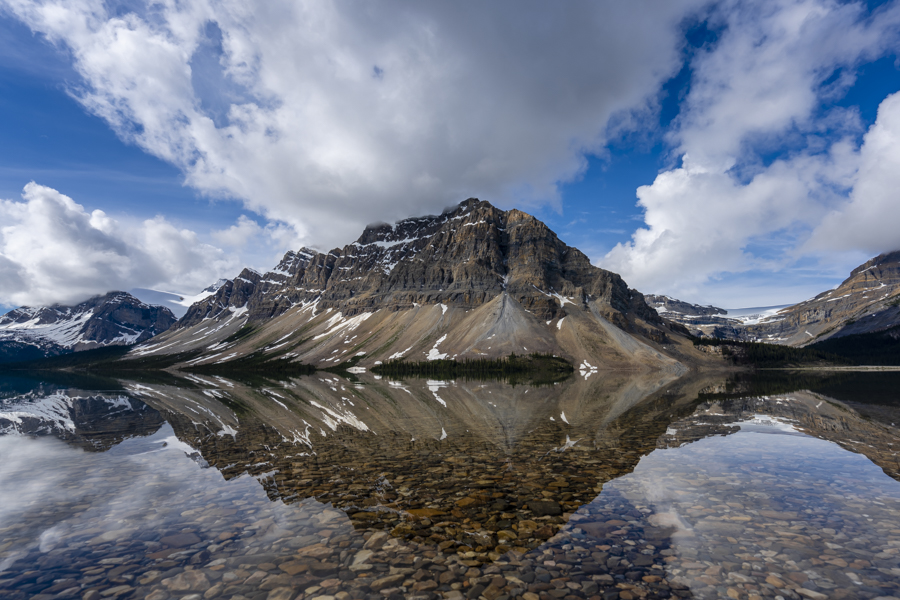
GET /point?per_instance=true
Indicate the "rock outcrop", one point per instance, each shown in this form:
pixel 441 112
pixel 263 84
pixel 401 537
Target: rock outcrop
pixel 695 317
pixel 474 281
pixel 666 305
pixel 465 257
pixel 116 318
pixel 866 302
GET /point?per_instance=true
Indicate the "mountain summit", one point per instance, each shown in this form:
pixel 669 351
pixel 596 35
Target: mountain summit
pixel 116 318
pixel 868 301
pixel 865 302
pixel 475 281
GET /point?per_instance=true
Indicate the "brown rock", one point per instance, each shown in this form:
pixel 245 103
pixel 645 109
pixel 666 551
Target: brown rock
pixel 798 577
pixel 180 540
pixel 188 581
pixel 468 502
pixel 544 533
pixel 543 508
pixel 377 540
pixel 293 567
pixel 386 582
pixel 426 512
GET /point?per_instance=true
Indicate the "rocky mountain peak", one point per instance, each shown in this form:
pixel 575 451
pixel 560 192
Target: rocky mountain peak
pixel 464 256
pixel 214 287
pixel 883 267
pixel 116 318
pixel 294 261
pixel 473 282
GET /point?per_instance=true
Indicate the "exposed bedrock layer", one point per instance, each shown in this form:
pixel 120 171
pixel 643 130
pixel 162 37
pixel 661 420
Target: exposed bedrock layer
pixel 866 302
pixel 475 281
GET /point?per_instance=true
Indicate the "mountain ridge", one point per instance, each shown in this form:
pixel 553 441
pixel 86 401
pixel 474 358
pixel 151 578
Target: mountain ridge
pixel 503 282
pixel 114 318
pixel 374 276
pixel 867 301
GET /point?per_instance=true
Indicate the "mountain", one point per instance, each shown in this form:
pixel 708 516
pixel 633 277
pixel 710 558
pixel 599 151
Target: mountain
pixel 116 318
pixel 711 321
pixel 472 282
pixel 692 316
pixel 177 303
pixel 867 302
pixel 94 421
pixel 665 304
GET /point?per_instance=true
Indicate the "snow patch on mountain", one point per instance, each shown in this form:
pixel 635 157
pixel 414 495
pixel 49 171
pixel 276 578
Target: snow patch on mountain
pixel 117 318
pixel 433 354
pixel 177 302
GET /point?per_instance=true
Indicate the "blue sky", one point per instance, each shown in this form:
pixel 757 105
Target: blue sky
pixel 735 153
pixel 48 137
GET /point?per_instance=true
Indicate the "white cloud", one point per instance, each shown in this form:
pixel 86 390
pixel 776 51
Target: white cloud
pixel 868 220
pixel 266 244
pixel 54 251
pixel 239 234
pixel 322 116
pixel 329 115
pixel 759 89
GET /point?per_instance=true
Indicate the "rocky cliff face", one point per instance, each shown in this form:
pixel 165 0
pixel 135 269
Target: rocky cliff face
pixel 465 257
pixel 866 301
pixel 116 318
pixel 665 305
pixel 474 281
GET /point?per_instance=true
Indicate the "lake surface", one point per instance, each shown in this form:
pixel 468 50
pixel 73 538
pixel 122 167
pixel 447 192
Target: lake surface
pixel 609 485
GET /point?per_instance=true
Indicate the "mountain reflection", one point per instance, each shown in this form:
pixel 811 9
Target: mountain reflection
pixel 480 472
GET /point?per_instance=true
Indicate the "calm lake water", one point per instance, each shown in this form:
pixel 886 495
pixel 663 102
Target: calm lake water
pixel 606 486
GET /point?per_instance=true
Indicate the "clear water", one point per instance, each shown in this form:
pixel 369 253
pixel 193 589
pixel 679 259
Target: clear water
pixel 617 486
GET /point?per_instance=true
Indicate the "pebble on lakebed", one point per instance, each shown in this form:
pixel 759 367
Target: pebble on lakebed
pixel 382 517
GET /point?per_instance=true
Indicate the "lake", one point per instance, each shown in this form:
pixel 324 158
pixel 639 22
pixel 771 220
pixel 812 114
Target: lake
pixel 606 485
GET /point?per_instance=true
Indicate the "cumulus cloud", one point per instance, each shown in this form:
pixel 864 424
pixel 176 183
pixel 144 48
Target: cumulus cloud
pixel 239 234
pixel 323 116
pixel 760 89
pixel 54 251
pixel 868 220
pixel 259 244
pixel 327 115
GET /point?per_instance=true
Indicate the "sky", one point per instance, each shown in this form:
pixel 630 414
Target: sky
pixel 735 153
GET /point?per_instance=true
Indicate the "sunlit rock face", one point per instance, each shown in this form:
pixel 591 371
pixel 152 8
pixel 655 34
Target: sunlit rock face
pixel 464 257
pixel 116 318
pixel 473 282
